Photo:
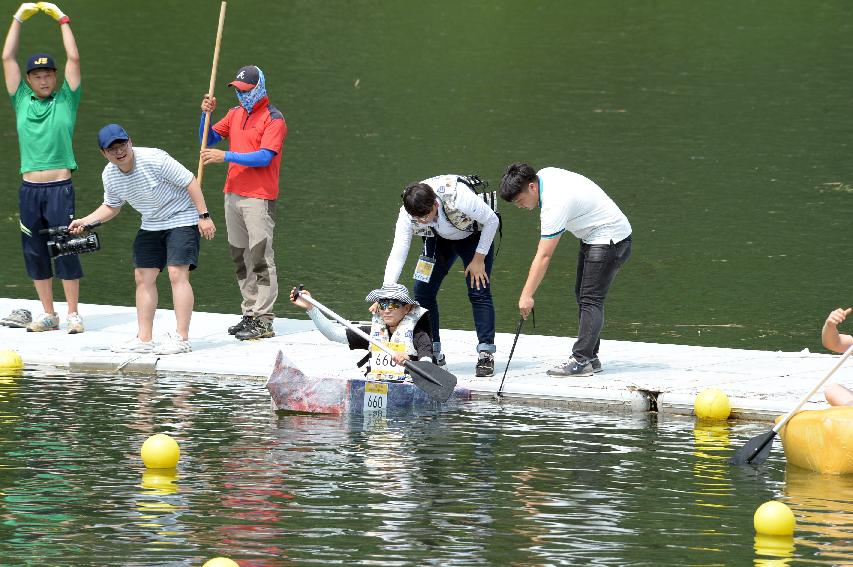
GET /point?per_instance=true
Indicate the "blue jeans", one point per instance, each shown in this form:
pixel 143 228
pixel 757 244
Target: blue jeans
pixel 598 265
pixel 445 253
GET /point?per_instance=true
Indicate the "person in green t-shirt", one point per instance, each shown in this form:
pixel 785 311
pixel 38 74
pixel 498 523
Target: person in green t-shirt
pixel 45 119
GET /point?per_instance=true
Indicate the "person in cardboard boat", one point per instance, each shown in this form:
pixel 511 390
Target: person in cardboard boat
pixel 399 322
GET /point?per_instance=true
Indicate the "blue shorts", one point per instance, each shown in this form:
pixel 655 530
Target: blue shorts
pixel 43 205
pixel 170 247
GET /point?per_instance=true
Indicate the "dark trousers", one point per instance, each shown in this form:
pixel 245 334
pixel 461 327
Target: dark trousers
pixel 45 205
pixel 598 265
pixel 445 253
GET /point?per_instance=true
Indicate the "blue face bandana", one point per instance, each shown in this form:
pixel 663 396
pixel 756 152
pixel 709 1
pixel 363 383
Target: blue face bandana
pixel 248 99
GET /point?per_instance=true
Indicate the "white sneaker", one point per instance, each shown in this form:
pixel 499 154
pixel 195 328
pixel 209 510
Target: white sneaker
pixel 133 345
pixel 44 322
pixel 172 344
pixel 74 323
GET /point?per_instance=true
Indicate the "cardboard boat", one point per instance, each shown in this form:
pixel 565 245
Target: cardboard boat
pixel 820 440
pixel 293 390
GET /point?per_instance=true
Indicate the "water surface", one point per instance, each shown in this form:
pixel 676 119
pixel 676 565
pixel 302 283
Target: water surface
pixel 484 485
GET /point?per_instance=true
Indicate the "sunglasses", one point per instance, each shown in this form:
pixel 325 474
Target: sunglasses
pixel 386 304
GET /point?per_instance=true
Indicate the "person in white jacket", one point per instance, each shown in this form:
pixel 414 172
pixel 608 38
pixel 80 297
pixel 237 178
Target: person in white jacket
pixel 454 221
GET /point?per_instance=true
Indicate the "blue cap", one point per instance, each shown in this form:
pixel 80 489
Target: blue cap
pixel 111 133
pixel 40 61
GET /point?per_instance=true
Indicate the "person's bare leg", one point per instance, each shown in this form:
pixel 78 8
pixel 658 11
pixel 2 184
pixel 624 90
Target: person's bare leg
pixel 72 294
pixel 44 289
pixel 838 395
pixel 182 297
pixel 146 301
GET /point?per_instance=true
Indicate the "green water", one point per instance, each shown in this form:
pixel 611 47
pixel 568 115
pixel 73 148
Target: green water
pixel 720 130
pixel 482 485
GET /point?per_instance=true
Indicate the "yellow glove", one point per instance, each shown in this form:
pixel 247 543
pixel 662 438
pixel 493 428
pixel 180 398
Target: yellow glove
pixel 51 10
pixel 26 10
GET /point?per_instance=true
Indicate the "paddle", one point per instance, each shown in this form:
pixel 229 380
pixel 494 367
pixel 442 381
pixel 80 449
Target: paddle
pixel 512 350
pixel 758 448
pixel 435 381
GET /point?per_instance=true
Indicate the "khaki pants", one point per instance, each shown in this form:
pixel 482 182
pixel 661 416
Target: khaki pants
pixel 250 223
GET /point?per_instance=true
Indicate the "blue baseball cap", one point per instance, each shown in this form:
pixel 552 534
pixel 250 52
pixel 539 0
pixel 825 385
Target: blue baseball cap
pixel 111 133
pixel 40 61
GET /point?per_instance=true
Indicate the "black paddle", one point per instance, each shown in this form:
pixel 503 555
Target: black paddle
pixel 512 350
pixel 758 448
pixel 435 381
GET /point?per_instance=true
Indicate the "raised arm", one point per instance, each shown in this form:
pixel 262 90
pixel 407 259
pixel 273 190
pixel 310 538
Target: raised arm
pixel 11 69
pixel 72 62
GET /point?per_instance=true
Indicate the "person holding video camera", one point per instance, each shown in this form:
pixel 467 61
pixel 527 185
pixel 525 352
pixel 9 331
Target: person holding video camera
pixel 45 120
pixel 174 214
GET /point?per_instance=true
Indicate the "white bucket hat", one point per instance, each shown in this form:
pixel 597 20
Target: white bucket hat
pixel 391 291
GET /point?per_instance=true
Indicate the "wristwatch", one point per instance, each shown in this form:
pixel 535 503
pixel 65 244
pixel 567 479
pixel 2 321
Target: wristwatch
pixel 204 215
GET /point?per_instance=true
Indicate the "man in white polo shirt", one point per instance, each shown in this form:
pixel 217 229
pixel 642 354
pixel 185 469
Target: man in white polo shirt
pixel 570 201
pixel 173 215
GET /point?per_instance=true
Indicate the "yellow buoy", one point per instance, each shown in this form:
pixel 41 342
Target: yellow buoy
pixel 221 562
pixel 712 404
pixel 775 519
pixel 10 360
pixel 160 452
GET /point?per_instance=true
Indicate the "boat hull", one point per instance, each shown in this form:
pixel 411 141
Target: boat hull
pixel 820 440
pixel 293 390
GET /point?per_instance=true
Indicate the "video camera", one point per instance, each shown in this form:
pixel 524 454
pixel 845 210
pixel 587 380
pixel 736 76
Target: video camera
pixel 62 243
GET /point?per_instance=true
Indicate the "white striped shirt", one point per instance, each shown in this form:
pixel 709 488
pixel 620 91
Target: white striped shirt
pixel 156 187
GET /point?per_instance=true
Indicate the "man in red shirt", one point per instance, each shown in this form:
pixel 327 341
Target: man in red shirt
pixel 255 130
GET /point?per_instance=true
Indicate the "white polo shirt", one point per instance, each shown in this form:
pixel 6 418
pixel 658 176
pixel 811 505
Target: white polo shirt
pixel 156 187
pixel 570 201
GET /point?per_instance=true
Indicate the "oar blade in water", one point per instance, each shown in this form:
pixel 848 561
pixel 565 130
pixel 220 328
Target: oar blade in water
pixel 755 451
pixel 437 382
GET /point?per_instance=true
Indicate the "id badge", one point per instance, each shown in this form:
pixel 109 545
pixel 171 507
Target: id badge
pixel 423 269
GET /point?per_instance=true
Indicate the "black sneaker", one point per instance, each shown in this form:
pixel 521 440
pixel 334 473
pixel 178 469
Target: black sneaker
pixel 234 329
pixel 439 360
pixel 256 329
pixel 572 368
pixel 596 365
pixel 485 365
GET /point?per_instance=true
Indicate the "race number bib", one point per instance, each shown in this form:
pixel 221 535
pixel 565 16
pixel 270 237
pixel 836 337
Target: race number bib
pixel 375 402
pixel 423 269
pixel 381 363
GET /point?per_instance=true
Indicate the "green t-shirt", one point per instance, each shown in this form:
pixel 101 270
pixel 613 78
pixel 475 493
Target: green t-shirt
pixel 46 127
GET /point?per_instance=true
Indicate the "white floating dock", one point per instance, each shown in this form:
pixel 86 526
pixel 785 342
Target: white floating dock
pixel 637 376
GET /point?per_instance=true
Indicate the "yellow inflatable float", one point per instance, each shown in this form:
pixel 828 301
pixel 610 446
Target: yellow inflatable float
pixel 820 440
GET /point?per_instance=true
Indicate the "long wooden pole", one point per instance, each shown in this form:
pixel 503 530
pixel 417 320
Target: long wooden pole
pixel 210 89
